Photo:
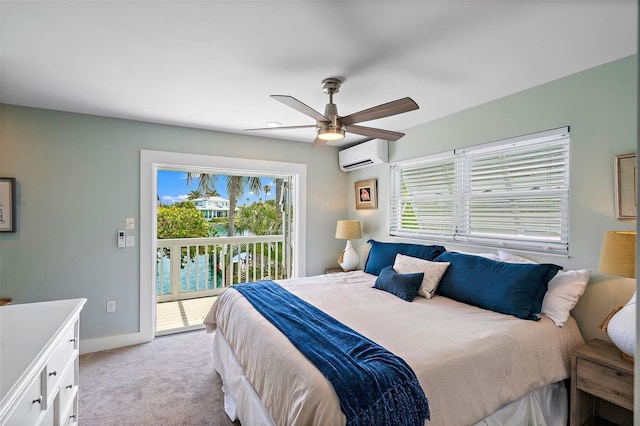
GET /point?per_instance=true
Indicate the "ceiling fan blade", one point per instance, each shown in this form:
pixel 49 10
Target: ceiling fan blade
pixel 385 110
pixel 318 143
pixel 282 127
pixel 373 132
pixel 299 106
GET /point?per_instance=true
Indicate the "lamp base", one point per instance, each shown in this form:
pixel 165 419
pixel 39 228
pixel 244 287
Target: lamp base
pixel 349 259
pixel 620 325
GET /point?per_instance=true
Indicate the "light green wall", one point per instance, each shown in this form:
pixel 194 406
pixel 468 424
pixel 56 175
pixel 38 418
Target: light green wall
pixel 600 106
pixel 78 179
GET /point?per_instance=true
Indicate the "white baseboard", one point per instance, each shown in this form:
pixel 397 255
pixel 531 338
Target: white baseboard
pixel 111 342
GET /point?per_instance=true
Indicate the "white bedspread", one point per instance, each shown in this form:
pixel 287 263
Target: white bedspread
pixel 469 361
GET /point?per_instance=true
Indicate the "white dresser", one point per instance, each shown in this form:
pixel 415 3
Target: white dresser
pixel 39 363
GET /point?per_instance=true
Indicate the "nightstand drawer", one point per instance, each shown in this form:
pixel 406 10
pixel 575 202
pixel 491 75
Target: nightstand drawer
pixel 605 383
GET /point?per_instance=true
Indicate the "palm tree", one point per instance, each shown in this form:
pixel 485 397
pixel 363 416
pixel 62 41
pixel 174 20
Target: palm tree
pixel 235 188
pixel 206 182
pixel 193 195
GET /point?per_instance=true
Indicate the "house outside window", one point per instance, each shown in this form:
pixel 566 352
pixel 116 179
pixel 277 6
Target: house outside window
pixel 212 207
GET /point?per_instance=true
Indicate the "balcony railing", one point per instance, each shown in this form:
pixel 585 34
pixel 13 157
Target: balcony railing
pixel 199 267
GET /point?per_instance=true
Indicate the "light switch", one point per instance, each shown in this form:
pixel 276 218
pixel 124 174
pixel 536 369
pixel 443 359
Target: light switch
pixel 130 241
pixel 121 240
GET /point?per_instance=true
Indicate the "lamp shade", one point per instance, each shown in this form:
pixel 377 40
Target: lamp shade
pixel 618 255
pixel 348 230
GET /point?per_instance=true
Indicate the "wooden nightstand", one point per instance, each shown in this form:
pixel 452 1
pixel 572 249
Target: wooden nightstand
pixel 333 270
pixel 601 385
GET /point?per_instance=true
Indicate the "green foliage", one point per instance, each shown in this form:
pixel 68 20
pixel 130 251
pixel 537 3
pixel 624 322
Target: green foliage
pixel 181 220
pixel 184 205
pixel 259 218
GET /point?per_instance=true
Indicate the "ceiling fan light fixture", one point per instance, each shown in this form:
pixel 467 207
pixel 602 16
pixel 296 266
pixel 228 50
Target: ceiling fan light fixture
pixel 330 134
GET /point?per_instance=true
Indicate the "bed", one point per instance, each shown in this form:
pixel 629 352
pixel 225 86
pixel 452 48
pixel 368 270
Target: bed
pixel 475 365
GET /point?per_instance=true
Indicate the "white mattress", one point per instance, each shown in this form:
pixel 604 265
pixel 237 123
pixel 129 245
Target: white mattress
pixel 548 406
pixel 469 361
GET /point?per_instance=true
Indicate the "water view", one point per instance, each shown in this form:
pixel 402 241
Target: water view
pixel 198 275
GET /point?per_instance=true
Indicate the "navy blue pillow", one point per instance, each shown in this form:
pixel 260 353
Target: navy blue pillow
pixel 509 288
pixel 382 255
pixel 405 286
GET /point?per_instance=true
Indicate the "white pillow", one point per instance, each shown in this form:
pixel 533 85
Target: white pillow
pixel 492 256
pixel 564 289
pixel 505 256
pixel 562 296
pixel 433 271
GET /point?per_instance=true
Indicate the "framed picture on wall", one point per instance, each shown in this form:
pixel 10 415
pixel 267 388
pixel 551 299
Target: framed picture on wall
pixel 626 175
pixel 366 194
pixel 7 204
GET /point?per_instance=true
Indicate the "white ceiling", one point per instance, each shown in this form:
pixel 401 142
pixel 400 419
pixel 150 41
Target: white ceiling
pixel 213 64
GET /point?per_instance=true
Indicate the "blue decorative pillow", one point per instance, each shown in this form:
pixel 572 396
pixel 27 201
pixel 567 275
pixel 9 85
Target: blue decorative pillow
pixel 405 286
pixel 382 255
pixel 509 288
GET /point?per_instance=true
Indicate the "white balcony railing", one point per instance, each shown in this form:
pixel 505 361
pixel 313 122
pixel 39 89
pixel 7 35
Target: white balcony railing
pixel 199 267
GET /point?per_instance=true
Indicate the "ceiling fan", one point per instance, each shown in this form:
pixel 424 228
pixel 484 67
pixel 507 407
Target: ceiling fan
pixel 331 126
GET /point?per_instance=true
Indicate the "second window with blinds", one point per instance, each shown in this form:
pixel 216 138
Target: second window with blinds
pixel 512 193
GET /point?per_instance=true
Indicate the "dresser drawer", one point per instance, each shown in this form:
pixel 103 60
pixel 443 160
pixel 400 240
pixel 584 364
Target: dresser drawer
pixel 70 418
pixel 68 389
pixel 30 407
pixel 605 383
pixel 62 355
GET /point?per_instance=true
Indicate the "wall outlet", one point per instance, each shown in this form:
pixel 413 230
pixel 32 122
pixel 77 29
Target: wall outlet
pixel 111 306
pixel 130 223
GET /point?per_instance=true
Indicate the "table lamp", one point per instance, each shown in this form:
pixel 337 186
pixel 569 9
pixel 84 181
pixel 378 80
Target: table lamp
pixel 348 230
pixel 619 258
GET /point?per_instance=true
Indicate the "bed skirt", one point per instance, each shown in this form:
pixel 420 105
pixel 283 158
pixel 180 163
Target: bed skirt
pixel 544 406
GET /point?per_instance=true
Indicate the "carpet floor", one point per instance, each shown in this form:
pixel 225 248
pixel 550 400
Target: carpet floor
pixel 169 381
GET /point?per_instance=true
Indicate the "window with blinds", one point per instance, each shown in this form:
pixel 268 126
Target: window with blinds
pixel 512 193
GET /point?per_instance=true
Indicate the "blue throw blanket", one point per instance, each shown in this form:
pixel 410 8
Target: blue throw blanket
pixel 374 386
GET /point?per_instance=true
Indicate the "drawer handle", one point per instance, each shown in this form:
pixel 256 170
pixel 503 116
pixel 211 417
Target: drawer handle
pixel 53 373
pixel 69 386
pixel 619 374
pixel 72 417
pixel 39 400
pixel 72 340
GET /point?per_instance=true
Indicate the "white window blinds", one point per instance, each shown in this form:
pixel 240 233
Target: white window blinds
pixel 511 193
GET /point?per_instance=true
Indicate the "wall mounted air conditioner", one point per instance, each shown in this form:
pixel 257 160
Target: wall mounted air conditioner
pixel 366 154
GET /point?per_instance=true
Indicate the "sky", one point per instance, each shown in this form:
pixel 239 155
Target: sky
pixel 172 187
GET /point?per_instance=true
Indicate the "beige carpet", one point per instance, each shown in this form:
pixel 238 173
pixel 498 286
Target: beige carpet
pixel 169 381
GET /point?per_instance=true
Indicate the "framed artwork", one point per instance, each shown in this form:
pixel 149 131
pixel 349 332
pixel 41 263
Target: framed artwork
pixel 7 205
pixel 366 194
pixel 626 177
